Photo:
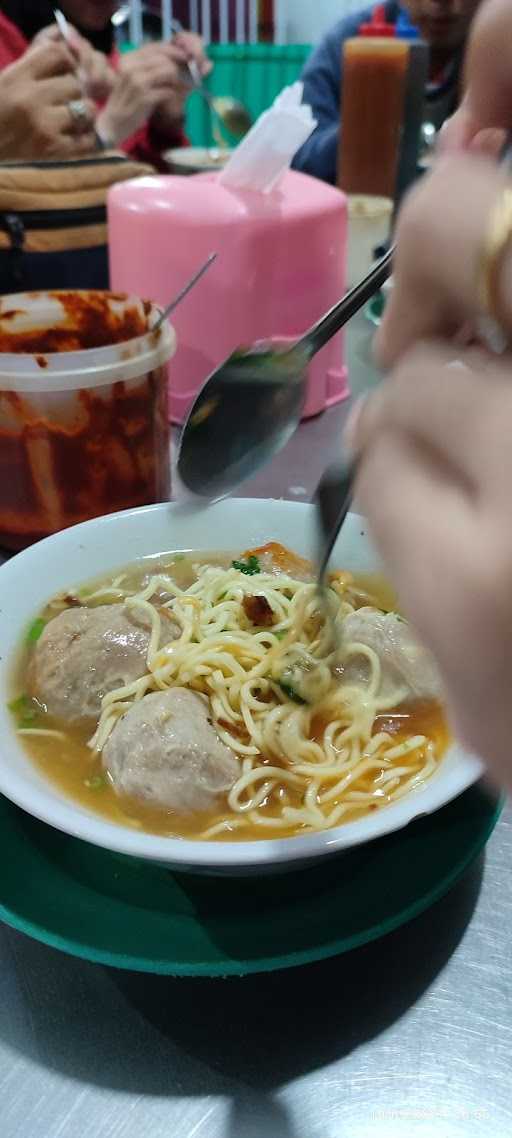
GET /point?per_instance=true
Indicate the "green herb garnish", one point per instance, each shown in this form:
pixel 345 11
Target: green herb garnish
pixel 290 691
pixel 23 706
pixel 97 782
pixel 179 557
pixel 281 633
pixel 35 630
pixel 249 567
pixel 24 710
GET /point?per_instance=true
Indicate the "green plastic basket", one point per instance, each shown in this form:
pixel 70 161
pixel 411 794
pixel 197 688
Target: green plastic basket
pixel 254 73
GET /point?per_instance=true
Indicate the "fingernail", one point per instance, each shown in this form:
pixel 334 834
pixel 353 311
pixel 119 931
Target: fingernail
pixel 350 430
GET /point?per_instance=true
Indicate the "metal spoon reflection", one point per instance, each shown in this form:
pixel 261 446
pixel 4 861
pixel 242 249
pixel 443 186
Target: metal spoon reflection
pixel 251 405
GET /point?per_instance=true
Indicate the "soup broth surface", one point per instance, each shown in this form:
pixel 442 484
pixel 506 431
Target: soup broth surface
pixel 69 763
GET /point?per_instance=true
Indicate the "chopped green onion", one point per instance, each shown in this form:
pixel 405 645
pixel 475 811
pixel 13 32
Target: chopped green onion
pixel 22 706
pixel 36 629
pixel 281 633
pixel 290 691
pixel 249 567
pixel 179 557
pixel 24 710
pixel 97 782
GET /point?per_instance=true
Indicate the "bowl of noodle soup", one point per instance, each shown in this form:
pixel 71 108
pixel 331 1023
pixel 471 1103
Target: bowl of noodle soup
pixel 301 731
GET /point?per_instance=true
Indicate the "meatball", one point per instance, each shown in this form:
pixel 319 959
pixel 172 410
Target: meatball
pixel 166 752
pixel 403 659
pixel 86 652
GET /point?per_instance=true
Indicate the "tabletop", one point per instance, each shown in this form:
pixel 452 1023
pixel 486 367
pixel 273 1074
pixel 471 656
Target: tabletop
pixel 411 1035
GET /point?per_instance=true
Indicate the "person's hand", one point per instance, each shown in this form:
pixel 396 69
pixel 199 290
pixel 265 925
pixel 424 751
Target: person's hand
pixel 485 114
pixel 434 457
pixel 35 117
pixel 440 238
pixel 186 47
pixel 435 482
pixel 148 78
pixel 191 48
pixel 94 71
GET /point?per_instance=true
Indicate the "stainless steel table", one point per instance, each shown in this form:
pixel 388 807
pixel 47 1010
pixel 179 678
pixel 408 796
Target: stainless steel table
pixel 409 1036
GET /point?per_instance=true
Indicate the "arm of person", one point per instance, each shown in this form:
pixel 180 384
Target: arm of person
pixel 435 482
pixel 485 113
pixel 434 451
pixel 322 78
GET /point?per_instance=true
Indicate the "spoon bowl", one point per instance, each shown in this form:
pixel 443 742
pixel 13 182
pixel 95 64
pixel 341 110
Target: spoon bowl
pixel 251 405
pixel 245 413
pixel 232 113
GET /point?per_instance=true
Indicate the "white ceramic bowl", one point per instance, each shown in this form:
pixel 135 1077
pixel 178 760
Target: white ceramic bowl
pixel 197 159
pixel 104 544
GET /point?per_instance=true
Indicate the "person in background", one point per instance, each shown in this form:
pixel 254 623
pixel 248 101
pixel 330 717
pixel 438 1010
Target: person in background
pixel 434 443
pixel 140 96
pixel 443 24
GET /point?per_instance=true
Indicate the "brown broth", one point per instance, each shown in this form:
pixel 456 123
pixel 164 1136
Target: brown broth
pixel 75 770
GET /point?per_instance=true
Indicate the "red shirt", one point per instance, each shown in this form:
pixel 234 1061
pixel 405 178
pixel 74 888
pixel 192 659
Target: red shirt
pixel 146 145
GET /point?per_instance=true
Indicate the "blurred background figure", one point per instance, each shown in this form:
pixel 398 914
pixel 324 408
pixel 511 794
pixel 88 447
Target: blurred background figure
pixel 139 98
pixel 443 24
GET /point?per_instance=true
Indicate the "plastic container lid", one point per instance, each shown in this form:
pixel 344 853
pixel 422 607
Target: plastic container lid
pixel 378 25
pixel 404 29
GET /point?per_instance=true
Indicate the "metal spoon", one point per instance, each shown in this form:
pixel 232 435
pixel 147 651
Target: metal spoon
pixel 251 405
pixel 333 498
pixel 63 26
pixel 231 112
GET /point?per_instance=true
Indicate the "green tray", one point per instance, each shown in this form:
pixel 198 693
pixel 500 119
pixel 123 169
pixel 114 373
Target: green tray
pixel 126 913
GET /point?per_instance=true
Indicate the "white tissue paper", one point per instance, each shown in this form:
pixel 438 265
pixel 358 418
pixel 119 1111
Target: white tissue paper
pixel 268 149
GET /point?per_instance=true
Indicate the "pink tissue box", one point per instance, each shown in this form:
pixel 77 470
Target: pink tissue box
pixel 281 265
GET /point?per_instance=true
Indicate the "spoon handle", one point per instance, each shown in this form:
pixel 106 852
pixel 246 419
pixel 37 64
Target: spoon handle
pixel 346 308
pixel 333 498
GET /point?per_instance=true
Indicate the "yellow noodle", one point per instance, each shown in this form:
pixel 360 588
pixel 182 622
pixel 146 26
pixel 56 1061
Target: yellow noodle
pixel 292 775
pixel 44 731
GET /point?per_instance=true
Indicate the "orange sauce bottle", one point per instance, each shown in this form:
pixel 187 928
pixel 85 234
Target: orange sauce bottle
pixel 374 79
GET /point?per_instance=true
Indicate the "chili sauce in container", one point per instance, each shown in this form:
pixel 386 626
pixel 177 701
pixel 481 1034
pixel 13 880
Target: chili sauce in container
pixel 84 426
